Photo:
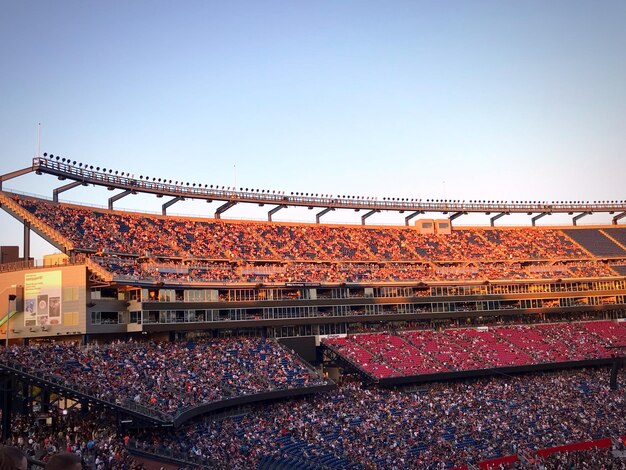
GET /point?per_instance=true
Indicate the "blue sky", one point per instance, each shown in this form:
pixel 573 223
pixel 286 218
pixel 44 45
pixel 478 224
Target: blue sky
pixel 463 100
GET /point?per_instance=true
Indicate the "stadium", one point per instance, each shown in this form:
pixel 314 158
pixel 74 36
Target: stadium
pixel 154 340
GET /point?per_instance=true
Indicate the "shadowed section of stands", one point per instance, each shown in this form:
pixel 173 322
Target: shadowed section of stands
pixel 594 241
pixel 176 381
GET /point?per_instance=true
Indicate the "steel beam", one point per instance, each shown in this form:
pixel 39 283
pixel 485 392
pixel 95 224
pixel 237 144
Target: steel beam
pixel 117 197
pixel 365 216
pixel 456 215
pixel 60 189
pixel 169 203
pixel 26 240
pixel 14 174
pixel 319 215
pixel 618 216
pixel 578 217
pixel 6 393
pixel 223 208
pixel 537 217
pixel 274 210
pixel 493 219
pixel 410 216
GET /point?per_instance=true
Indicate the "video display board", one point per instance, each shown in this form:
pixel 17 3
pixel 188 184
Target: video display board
pixel 42 298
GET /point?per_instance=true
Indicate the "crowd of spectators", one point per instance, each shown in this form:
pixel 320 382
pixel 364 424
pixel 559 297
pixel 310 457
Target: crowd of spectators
pixel 595 459
pixel 168 376
pixel 136 246
pixel 133 268
pixel 129 233
pixel 458 349
pixel 440 426
pixel 93 436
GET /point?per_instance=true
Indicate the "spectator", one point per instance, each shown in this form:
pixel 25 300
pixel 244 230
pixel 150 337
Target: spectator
pixel 64 461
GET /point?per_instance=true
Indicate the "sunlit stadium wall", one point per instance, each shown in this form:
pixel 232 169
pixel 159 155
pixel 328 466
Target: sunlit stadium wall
pixel 51 302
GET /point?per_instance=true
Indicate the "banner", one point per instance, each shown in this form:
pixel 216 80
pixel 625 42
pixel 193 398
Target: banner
pixel 42 298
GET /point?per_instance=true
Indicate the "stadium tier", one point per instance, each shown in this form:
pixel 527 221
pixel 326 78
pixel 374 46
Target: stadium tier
pixel 183 249
pixel 500 419
pixel 412 353
pixel 165 275
pixel 499 422
pixel 169 377
pixel 165 237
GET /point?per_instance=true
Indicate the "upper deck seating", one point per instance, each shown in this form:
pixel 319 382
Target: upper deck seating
pixel 594 241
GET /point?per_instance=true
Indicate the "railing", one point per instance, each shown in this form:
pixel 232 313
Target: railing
pixel 163 418
pixel 60 382
pixel 89 175
pixel 99 270
pixel 35 222
pixel 166 454
pixel 38 264
pixel 34 464
pixel 18 265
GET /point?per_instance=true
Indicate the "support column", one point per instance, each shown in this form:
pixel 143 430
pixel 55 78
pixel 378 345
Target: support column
pixel 579 216
pixel 319 215
pixel 26 241
pixel 27 401
pixel 410 216
pixel 45 401
pixel 223 208
pixel 365 216
pixel 60 189
pixel 274 210
pixel 537 217
pixel 169 203
pixel 617 217
pixel 456 215
pixel 6 393
pixel 492 220
pixel 117 197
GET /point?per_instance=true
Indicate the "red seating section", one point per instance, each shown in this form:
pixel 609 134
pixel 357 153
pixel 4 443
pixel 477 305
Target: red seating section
pixel 429 352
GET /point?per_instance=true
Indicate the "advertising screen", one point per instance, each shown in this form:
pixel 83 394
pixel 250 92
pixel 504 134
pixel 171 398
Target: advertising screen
pixel 42 298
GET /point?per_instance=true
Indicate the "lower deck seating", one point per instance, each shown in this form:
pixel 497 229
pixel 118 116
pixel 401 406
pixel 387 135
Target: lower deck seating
pixel 410 353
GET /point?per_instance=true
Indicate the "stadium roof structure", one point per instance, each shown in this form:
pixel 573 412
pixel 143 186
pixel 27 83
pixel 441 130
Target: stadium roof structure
pixel 85 174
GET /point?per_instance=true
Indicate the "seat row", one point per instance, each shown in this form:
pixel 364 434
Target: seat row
pixel 408 353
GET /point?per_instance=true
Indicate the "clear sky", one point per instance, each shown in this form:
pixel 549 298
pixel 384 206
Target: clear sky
pixel 467 100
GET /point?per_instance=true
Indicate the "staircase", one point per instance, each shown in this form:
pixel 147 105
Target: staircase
pixel 47 232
